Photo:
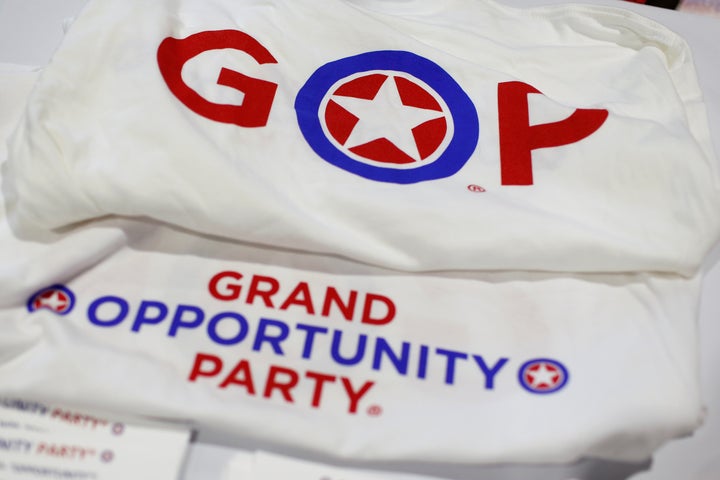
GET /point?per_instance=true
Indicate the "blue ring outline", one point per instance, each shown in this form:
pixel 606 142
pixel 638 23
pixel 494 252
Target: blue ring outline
pixel 462 109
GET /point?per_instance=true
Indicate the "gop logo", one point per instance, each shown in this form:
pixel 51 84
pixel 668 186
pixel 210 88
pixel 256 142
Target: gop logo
pixel 57 298
pixel 543 375
pixel 390 116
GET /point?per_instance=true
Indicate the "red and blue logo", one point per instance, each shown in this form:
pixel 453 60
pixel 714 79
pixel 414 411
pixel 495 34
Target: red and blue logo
pixel 543 375
pixel 56 298
pixel 389 116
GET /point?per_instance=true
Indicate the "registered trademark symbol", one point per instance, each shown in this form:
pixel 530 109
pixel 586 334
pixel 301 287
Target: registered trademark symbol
pixel 375 411
pixel 107 456
pixel 475 188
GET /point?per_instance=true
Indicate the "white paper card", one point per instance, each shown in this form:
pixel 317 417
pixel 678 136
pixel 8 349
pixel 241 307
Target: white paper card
pixel 55 442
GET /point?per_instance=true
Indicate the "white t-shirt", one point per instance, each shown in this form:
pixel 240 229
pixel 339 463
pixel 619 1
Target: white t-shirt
pixel 258 346
pixel 405 134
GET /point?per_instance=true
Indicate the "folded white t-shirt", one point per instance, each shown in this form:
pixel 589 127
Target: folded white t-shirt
pixel 415 135
pixel 313 354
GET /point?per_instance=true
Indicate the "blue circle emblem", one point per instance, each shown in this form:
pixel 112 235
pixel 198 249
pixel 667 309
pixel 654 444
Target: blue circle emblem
pixel 543 375
pixel 444 142
pixel 57 298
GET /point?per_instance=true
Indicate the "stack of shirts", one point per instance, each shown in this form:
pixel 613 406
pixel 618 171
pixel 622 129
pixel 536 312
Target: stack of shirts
pixel 380 230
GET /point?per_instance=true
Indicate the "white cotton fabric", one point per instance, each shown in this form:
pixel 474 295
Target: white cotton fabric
pixel 104 135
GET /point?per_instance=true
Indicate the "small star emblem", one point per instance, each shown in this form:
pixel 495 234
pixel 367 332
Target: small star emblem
pixel 543 376
pixel 57 299
pixel 107 456
pixel 53 300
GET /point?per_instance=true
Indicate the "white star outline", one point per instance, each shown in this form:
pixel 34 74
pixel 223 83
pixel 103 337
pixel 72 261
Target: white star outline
pixel 544 376
pixel 372 126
